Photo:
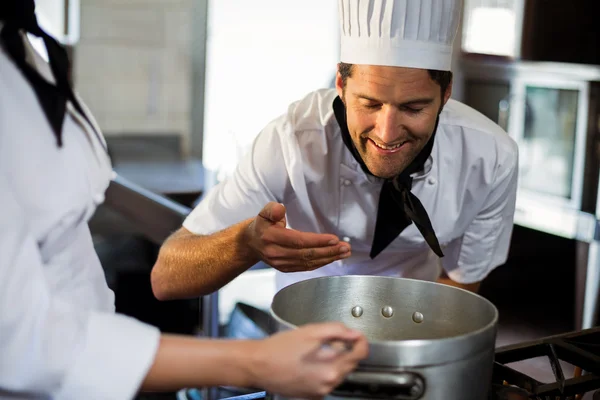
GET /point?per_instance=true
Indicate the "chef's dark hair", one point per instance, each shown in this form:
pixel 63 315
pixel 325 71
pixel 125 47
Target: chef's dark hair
pixel 442 78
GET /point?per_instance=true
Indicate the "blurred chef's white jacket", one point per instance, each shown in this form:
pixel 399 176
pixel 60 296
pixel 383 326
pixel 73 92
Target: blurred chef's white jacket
pixel 59 335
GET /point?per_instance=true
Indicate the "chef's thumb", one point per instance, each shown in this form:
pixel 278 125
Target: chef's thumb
pixel 274 212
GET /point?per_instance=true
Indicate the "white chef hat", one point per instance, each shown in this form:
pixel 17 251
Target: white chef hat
pixel 402 33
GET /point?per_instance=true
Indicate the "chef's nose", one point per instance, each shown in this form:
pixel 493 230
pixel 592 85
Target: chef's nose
pixel 388 122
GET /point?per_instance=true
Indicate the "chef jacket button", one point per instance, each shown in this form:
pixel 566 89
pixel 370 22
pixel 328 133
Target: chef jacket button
pixel 431 181
pixel 347 182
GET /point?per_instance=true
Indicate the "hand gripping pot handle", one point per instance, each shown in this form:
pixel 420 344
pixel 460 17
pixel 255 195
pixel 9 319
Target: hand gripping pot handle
pixel 398 385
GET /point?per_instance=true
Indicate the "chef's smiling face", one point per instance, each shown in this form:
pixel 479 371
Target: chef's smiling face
pixel 391 114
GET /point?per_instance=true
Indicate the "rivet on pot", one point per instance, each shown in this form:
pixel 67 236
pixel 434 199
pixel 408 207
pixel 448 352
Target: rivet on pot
pixel 417 317
pixel 387 311
pixel 357 311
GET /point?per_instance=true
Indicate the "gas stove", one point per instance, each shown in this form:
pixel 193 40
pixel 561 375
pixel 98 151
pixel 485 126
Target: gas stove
pixel 581 349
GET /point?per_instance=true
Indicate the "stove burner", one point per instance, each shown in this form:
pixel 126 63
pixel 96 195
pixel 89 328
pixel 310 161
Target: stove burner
pixel 581 349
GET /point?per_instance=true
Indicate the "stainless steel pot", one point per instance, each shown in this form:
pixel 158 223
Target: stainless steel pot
pixel 426 340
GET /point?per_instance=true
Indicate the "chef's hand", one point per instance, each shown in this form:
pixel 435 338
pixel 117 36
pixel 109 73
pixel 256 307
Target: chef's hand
pixel 289 250
pixel 294 364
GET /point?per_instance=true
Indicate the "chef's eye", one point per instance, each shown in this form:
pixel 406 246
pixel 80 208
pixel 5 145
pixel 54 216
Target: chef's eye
pixel 372 106
pixel 413 110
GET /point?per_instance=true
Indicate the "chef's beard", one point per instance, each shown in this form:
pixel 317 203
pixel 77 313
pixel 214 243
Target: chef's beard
pixel 388 166
pixel 394 166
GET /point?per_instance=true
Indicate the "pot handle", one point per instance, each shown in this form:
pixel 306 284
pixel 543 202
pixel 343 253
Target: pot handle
pixel 400 385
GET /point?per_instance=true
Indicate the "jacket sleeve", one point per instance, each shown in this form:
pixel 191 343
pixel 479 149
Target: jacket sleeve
pixel 260 177
pixel 486 242
pixel 50 347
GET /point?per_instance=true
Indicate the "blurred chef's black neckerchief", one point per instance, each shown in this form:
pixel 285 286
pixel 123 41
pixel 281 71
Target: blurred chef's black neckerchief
pixel 20 15
pixel 398 207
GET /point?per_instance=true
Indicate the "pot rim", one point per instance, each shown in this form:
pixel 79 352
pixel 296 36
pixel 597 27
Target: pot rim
pixel 413 343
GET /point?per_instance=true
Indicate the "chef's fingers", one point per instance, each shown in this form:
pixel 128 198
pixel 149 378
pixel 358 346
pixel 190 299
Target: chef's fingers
pixel 273 212
pixel 299 265
pixel 352 353
pixel 300 240
pixel 334 339
pixel 327 332
pixel 359 351
pixel 311 265
pixel 276 251
pixel 329 352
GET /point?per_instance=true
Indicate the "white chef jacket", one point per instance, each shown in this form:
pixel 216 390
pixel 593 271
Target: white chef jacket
pixel 468 188
pixel 59 335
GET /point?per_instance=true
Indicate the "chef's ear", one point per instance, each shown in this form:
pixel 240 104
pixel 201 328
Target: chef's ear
pixel 339 84
pixel 448 92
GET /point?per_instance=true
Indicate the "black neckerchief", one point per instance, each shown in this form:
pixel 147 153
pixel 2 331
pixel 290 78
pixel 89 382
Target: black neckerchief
pixel 19 15
pixel 398 207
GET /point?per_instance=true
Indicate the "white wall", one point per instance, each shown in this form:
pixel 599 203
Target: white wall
pixel 132 65
pixel 261 56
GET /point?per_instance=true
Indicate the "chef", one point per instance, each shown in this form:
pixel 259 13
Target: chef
pixel 383 175
pixel 59 335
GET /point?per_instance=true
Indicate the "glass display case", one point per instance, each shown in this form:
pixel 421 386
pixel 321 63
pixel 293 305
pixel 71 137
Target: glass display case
pixel 548 121
pixel 551 112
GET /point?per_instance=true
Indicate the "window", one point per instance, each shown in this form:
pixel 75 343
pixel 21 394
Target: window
pixel 491 27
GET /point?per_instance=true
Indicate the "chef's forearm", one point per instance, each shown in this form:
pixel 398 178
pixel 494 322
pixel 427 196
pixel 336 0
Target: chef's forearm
pixel 187 362
pixel 191 265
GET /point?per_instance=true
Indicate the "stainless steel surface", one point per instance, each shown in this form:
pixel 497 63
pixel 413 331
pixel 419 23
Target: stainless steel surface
pixel 459 380
pixel 504 113
pixel 165 176
pixel 556 220
pixel 455 317
pixel 587 285
pixel 494 70
pixel 357 311
pixel 591 298
pixel 210 326
pixel 417 317
pixel 450 347
pixel 155 216
pixel 392 385
pixel 387 311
